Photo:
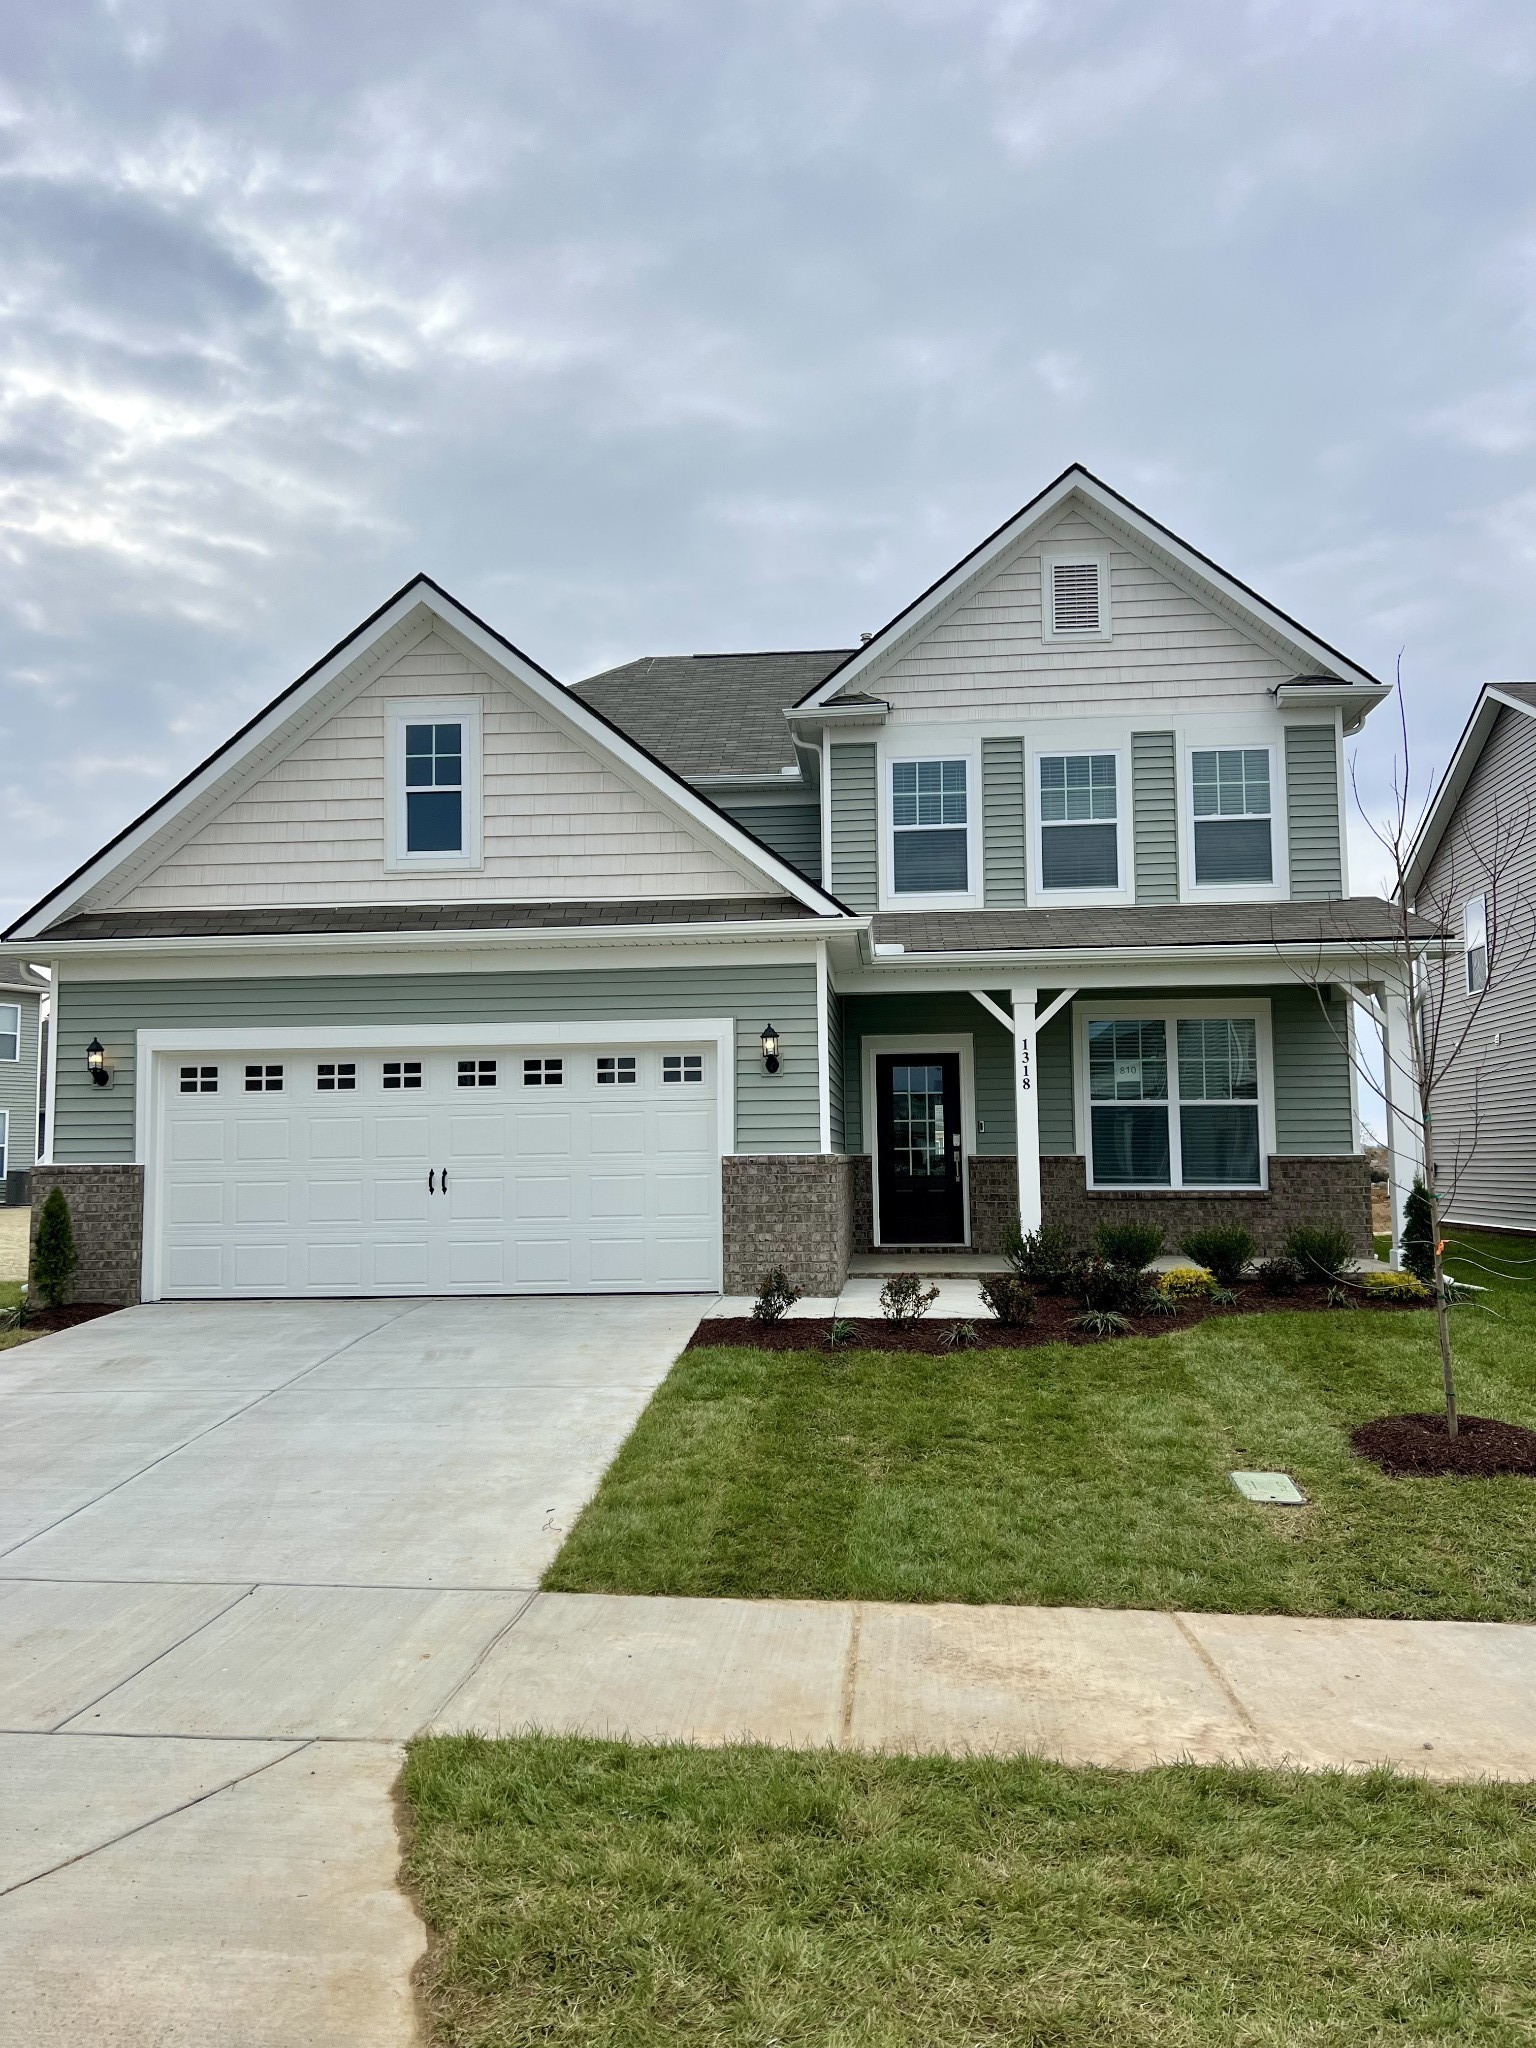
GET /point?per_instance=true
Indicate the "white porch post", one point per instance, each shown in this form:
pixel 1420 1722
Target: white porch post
pixel 1405 1140
pixel 1026 1106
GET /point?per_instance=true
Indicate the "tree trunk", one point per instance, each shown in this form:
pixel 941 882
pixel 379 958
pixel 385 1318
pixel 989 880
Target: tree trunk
pixel 1442 1308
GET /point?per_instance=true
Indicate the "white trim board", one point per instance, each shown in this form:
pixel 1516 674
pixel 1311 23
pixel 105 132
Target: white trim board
pixel 961 1042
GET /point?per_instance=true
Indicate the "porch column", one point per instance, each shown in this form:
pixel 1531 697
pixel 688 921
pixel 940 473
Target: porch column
pixel 1026 1106
pixel 1405 1139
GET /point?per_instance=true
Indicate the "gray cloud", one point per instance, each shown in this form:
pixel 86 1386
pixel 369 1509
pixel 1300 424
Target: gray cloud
pixel 656 326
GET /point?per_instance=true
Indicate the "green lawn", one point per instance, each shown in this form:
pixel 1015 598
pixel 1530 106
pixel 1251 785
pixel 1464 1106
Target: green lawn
pixel 626 1897
pixel 1091 1475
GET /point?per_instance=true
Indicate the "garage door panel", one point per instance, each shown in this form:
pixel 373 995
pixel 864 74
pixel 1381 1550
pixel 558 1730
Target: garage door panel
pixel 685 1194
pixel 547 1135
pixel 542 1262
pixel 476 1137
pixel 400 1264
pixel 195 1201
pixel 683 1130
pixel 401 1201
pixel 685 1262
pixel 476 1199
pixel 476 1263
pixel 195 1267
pixel 262 1266
pixel 403 1137
pixel 336 1138
pixel 617 1194
pixel 618 1261
pixel 610 1134
pixel 197 1142
pixel 543 1199
pixel 335 1266
pixel 262 1139
pixel 261 1201
pixel 335 1201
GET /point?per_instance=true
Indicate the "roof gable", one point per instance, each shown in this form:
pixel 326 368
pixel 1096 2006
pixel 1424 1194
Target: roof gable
pixel 1493 701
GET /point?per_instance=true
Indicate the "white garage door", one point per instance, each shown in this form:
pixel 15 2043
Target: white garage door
pixel 540 1169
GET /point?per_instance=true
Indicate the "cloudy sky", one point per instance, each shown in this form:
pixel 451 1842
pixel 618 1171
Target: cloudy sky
pixel 667 325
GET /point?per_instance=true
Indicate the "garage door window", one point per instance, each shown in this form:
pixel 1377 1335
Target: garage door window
pixel 263 1080
pixel 331 1075
pixel 682 1066
pixel 199 1080
pixel 477 1073
pixel 402 1073
pixel 617 1067
pixel 543 1073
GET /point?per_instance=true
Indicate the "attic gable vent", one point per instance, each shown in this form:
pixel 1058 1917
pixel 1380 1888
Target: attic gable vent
pixel 1075 606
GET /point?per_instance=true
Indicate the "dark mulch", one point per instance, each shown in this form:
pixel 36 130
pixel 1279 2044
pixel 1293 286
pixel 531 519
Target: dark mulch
pixel 45 1320
pixel 1417 1446
pixel 1052 1323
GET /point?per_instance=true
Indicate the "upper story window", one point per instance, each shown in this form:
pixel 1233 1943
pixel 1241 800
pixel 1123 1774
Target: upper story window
pixel 10 1031
pixel 1474 939
pixel 1079 821
pixel 930 828
pixel 1074 595
pixel 435 801
pixel 1233 818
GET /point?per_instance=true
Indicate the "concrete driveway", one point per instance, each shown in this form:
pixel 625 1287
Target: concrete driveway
pixel 245 1548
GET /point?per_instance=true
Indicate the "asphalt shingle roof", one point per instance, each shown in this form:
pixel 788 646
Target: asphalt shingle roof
pixel 296 920
pixel 1160 928
pixel 16 974
pixel 710 714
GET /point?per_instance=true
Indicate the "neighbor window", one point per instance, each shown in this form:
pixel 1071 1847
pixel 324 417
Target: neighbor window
pixel 1230 788
pixel 1474 933
pixel 1187 1121
pixel 1079 822
pixel 930 850
pixel 434 788
pixel 10 1031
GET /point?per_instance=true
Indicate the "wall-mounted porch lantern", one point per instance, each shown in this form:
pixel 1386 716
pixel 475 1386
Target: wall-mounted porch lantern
pixel 770 1049
pixel 96 1063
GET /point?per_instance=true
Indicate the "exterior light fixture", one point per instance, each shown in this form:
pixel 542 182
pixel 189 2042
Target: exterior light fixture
pixel 96 1063
pixel 770 1049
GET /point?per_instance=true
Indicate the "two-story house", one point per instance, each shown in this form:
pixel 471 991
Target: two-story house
pixel 440 976
pixel 22 993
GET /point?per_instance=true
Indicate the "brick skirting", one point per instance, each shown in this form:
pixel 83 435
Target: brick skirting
pixel 789 1210
pixel 106 1210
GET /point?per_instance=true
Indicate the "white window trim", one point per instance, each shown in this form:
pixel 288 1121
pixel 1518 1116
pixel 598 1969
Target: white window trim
pixel 1480 899
pixel 1043 898
pixel 1191 891
pixel 398 713
pixel 1169 1014
pixel 1049 557
pixel 13 1010
pixel 5 1143
pixel 961 1042
pixel 968 898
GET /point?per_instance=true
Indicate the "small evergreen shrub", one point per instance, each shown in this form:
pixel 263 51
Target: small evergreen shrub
pixel 1224 1250
pixel 1045 1258
pixel 1102 1322
pixel 775 1296
pixel 1279 1276
pixel 1118 1290
pixel 904 1298
pixel 961 1337
pixel 1419 1235
pixel 1397 1287
pixel 1323 1251
pixel 1128 1244
pixel 1007 1298
pixel 54 1257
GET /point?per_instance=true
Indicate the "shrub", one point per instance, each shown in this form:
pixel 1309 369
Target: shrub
pixel 54 1257
pixel 1396 1287
pixel 1102 1322
pixel 839 1333
pixel 1186 1283
pixel 1419 1235
pixel 903 1299
pixel 1128 1244
pixel 775 1296
pixel 1322 1251
pixel 1008 1298
pixel 961 1337
pixel 1279 1276
pixel 1119 1290
pixel 1160 1303
pixel 1045 1258
pixel 1224 1250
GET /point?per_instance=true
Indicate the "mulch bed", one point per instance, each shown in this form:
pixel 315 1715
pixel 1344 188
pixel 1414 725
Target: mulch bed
pixel 1417 1447
pixel 44 1321
pixel 1052 1323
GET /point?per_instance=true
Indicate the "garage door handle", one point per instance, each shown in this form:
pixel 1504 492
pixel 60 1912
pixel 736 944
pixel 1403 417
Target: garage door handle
pixel 445 1180
pixel 432 1182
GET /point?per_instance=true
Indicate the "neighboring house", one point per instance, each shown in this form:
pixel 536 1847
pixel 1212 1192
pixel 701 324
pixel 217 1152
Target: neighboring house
pixel 1473 866
pixel 440 976
pixel 22 990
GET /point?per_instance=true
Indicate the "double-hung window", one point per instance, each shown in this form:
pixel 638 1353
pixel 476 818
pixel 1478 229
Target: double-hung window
pixel 930 828
pixel 1079 822
pixel 1233 817
pixel 1174 1102
pixel 10 1031
pixel 1474 938
pixel 436 782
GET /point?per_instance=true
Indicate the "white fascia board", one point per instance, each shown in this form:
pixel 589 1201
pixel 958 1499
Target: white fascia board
pixel 1354 700
pixel 1249 968
pixel 1458 774
pixel 1155 537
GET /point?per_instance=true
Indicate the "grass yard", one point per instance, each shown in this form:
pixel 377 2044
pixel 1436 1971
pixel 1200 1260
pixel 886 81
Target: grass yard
pixel 1087 1476
pixel 625 1897
pixel 10 1295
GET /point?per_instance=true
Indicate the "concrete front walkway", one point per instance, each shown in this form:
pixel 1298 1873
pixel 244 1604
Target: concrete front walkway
pixel 244 1549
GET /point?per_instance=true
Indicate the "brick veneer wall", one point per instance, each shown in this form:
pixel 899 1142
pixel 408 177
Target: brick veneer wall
pixel 106 1210
pixel 790 1211
pixel 1332 1190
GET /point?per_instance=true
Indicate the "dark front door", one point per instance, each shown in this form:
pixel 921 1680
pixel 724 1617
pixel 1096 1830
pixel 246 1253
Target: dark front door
pixel 919 1156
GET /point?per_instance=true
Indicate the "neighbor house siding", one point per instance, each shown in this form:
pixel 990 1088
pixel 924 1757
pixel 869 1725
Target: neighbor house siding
pixel 1155 812
pixel 18 1086
pixel 1002 823
pixel 1483 1106
pixel 792 830
pixel 855 877
pixel 774 1113
pixel 559 822
pixel 1312 811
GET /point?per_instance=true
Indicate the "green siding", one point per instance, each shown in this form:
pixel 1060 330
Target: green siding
pixel 855 877
pixel 1155 812
pixel 1002 823
pixel 1314 1107
pixel 949 1014
pixel 18 1085
pixel 792 830
pixel 1312 812
pixel 1053 1064
pixel 774 1113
